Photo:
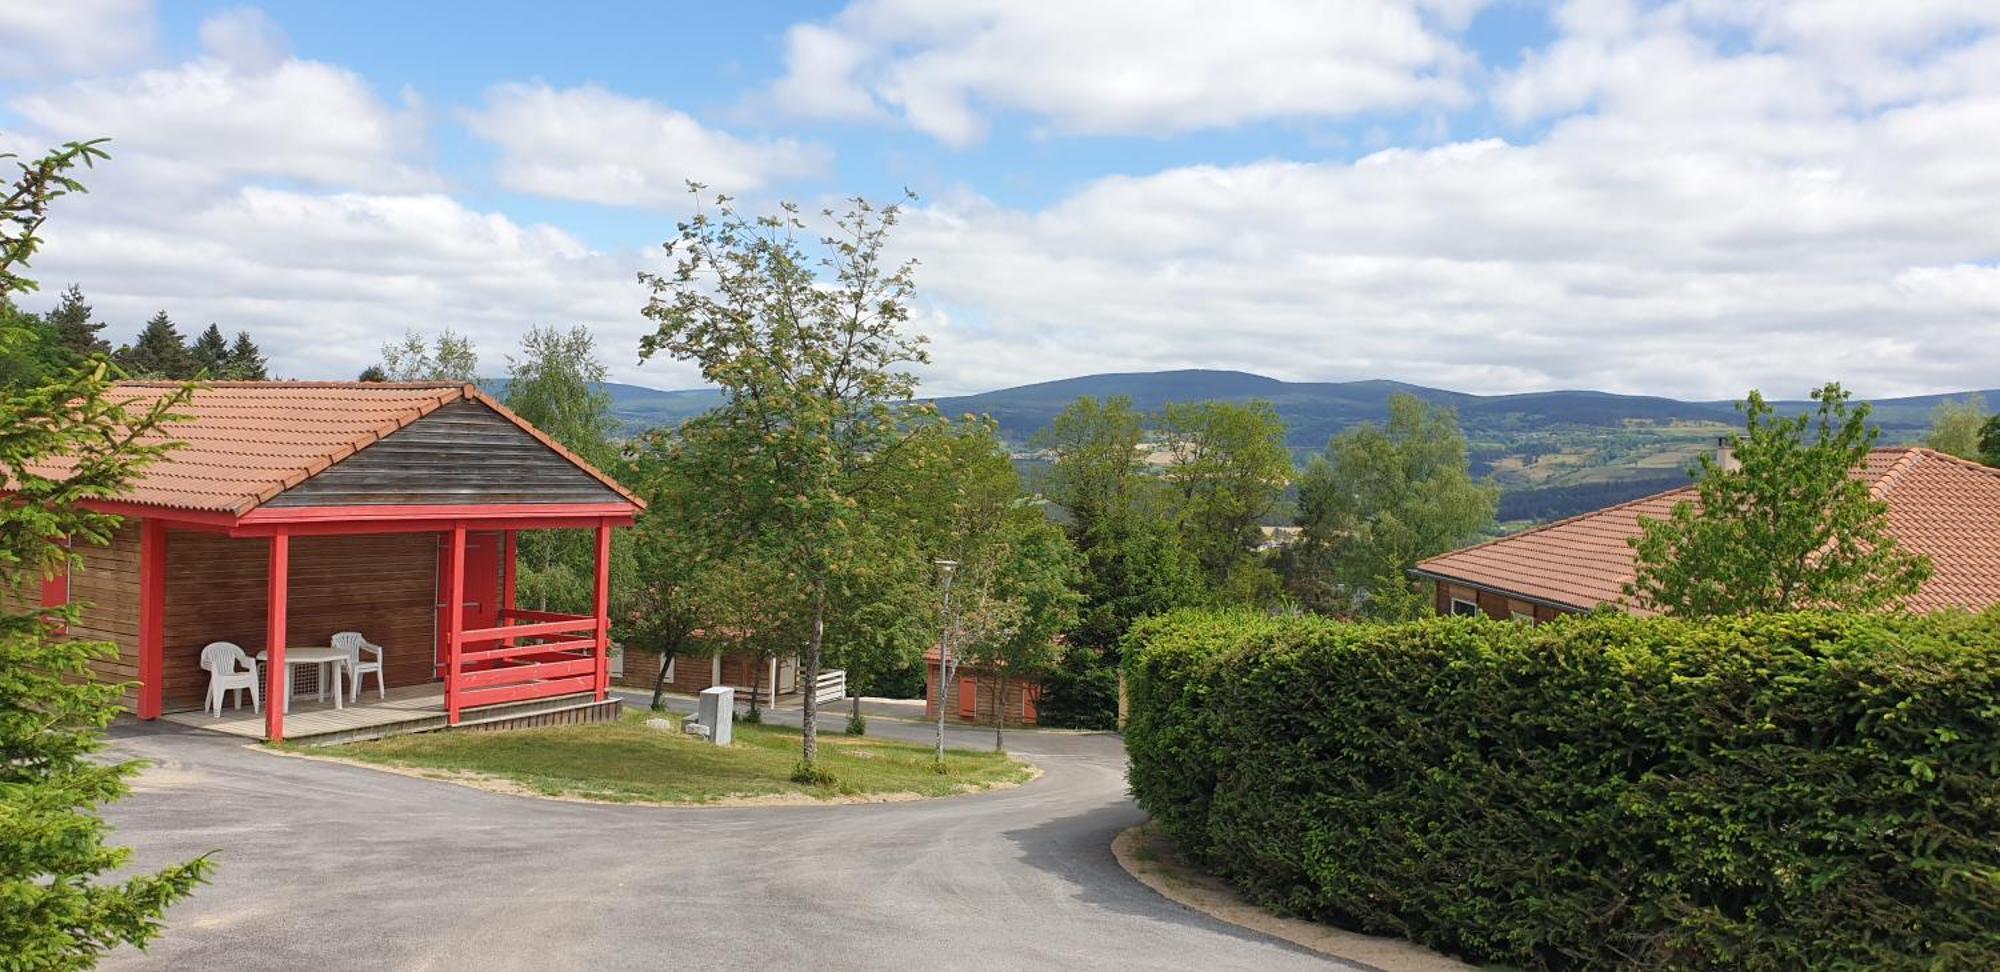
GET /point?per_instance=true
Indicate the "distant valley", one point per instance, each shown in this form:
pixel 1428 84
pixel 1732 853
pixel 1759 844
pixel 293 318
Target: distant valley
pixel 1554 453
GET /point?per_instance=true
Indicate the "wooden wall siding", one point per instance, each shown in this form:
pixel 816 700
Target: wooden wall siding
pixel 1496 605
pixel 983 696
pixel 381 585
pixel 462 453
pixel 692 673
pixel 107 585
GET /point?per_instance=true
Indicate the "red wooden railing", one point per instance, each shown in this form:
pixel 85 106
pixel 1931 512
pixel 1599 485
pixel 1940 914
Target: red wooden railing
pixel 512 671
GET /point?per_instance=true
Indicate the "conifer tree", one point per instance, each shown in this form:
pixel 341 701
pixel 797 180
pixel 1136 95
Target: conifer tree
pixel 245 361
pixel 74 326
pixel 159 351
pixel 210 353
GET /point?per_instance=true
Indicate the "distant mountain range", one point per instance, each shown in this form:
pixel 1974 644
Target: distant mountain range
pixel 1554 452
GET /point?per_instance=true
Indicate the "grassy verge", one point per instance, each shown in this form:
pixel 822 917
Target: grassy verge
pixel 628 762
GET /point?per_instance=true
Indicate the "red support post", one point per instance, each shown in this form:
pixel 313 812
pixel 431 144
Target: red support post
pixel 454 622
pixel 507 553
pixel 152 614
pixel 603 609
pixel 274 638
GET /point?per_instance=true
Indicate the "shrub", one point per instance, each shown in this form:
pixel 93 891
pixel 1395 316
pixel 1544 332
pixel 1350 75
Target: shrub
pixel 1080 692
pixel 1782 791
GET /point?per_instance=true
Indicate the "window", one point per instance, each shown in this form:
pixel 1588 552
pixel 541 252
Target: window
pixel 1463 609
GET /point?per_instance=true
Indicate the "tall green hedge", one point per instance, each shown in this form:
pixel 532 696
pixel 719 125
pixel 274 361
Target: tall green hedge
pixel 1782 792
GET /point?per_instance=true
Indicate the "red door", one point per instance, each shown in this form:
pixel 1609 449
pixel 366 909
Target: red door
pixel 481 606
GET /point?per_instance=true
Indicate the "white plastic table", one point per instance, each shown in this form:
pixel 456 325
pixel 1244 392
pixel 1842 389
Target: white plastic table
pixel 333 658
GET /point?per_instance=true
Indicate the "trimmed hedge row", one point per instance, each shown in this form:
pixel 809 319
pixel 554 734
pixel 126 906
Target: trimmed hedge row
pixel 1781 792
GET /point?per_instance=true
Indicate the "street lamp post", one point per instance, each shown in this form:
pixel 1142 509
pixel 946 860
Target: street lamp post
pixel 945 666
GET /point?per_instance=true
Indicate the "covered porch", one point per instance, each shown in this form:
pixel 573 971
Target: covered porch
pixel 296 511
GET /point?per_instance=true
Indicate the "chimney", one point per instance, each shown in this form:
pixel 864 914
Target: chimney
pixel 1725 454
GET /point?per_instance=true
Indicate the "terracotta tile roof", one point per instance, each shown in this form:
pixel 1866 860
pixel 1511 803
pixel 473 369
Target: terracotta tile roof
pixel 1939 505
pixel 246 442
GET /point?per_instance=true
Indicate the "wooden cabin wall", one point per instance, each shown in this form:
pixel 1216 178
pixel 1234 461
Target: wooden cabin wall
pixel 380 585
pixel 106 583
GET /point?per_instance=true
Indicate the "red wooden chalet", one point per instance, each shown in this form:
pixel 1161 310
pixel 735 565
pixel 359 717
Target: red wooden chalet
pixel 295 510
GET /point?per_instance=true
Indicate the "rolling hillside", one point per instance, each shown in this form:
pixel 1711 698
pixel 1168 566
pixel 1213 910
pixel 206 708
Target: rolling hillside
pixel 1554 453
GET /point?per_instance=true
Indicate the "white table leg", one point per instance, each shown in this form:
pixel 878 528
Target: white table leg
pixel 288 686
pixel 335 668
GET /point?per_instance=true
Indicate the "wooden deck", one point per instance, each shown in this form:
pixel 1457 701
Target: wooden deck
pixel 411 708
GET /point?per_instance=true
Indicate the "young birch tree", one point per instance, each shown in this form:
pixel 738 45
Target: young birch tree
pixel 808 349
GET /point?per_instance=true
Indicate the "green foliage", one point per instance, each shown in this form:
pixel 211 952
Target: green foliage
pixel 31 351
pixel 24 206
pixel 75 328
pixel 1786 526
pixel 809 353
pixel 450 358
pixel 158 352
pixel 1096 474
pixel 1381 499
pixel 1770 792
pixel 1956 425
pixel 245 361
pixel 857 724
pixel 210 352
pixel 1989 441
pixel 1080 691
pixel 1227 465
pixel 556 384
pixel 62 442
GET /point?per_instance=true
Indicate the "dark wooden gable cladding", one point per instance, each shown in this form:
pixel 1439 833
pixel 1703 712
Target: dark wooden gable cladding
pixel 462 453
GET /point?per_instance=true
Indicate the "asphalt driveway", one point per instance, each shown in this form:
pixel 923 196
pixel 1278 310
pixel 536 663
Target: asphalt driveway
pixel 334 867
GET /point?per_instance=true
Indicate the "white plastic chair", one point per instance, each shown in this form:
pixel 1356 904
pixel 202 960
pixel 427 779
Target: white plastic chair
pixel 354 644
pixel 229 670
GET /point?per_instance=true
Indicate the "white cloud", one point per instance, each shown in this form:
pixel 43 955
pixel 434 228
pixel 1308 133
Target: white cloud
pixel 322 280
pixel 65 37
pixel 1135 67
pixel 592 145
pixel 243 109
pixel 1698 218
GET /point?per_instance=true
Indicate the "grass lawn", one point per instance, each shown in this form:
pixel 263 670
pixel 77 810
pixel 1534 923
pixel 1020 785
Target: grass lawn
pixel 628 762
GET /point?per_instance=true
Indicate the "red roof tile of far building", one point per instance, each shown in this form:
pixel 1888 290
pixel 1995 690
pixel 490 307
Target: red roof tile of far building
pixel 246 442
pixel 1941 506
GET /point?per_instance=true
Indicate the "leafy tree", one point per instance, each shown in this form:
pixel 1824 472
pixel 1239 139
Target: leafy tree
pixel 245 361
pixel 373 373
pixel 210 352
pixel 450 358
pixel 1134 561
pixel 809 355
pixel 75 328
pixel 556 383
pixel 1036 590
pixel 1956 426
pixel 62 443
pixel 1989 441
pixel 31 351
pixel 1227 466
pixel 1786 525
pixel 159 352
pixel 1096 470
pixel 1380 499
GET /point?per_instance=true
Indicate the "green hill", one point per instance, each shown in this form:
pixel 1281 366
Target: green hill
pixel 1554 452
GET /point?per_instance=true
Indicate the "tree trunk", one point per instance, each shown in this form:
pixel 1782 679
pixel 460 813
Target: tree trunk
pixel 660 681
pixel 757 682
pixel 809 714
pixel 1000 711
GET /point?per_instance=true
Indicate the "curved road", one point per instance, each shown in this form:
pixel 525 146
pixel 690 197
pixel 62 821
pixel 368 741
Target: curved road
pixel 324 866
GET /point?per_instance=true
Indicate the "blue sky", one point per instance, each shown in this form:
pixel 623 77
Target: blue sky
pixel 1677 197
